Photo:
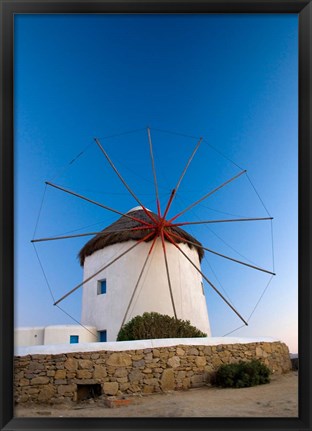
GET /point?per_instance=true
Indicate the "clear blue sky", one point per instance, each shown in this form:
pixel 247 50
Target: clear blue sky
pixel 231 79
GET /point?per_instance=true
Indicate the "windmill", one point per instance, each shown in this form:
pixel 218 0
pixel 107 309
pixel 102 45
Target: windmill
pixel 144 232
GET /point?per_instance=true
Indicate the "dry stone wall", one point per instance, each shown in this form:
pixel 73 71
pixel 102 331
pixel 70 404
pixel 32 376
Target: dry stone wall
pixel 57 378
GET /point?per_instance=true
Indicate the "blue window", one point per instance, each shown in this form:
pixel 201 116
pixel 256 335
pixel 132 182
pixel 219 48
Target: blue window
pixel 101 287
pixel 73 339
pixel 103 336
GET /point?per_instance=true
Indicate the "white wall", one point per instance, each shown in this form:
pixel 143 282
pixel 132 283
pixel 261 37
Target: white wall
pixel 60 334
pixel 29 336
pixel 107 311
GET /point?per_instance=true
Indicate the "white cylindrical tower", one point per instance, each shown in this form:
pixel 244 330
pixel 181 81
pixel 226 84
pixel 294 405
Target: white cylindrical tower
pixel 106 297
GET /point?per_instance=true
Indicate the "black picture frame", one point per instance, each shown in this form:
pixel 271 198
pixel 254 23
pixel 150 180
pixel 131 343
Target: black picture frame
pixel 11 7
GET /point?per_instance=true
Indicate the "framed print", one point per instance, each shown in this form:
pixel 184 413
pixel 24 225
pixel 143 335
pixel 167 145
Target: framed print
pixel 155 197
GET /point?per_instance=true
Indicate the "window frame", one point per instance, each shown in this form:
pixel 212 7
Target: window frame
pixel 99 286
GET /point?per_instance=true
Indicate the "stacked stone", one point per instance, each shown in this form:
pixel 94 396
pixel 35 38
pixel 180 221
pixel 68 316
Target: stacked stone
pixel 54 378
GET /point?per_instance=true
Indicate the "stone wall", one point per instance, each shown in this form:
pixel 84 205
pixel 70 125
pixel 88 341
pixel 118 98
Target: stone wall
pixel 56 378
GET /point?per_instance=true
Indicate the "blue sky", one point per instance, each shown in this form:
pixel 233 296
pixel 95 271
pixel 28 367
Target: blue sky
pixel 229 78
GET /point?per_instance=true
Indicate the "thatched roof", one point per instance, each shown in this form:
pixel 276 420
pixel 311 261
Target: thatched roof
pixel 119 231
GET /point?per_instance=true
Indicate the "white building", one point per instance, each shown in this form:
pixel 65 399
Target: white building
pixel 107 296
pixel 118 293
pixel 56 334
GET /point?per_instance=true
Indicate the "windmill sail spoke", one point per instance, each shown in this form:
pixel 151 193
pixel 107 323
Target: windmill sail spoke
pixel 96 203
pixel 103 267
pixel 221 221
pixel 174 191
pixel 54 238
pixel 207 195
pixel 122 180
pixel 188 164
pixel 168 273
pixel 154 170
pixel 138 281
pixel 107 231
pixel 223 255
pixel 203 275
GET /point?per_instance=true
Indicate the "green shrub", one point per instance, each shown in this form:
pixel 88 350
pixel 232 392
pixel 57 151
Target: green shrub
pixel 155 325
pixel 242 374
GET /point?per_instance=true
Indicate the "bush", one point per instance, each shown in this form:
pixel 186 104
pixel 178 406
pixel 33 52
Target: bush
pixel 155 325
pixel 242 374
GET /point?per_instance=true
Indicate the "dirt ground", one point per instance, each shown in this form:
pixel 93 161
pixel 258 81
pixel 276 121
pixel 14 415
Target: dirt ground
pixel 276 399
